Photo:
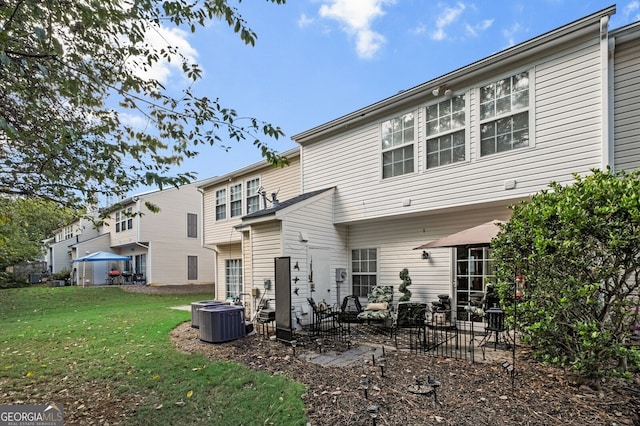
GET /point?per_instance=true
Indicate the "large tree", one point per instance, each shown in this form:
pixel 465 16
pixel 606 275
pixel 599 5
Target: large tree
pixel 69 72
pixel 24 224
pixel 578 249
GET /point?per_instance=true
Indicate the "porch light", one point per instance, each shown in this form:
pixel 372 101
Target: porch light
pixel 425 254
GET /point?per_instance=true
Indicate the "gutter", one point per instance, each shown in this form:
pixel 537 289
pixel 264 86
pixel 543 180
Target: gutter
pixel 416 94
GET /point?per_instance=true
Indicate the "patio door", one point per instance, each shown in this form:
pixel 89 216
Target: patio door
pixel 474 270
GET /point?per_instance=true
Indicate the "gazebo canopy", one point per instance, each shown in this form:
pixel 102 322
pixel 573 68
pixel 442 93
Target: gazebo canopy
pixel 99 256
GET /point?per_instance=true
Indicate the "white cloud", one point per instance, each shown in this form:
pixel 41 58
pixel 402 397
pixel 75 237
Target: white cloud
pixel 632 10
pixel 158 38
pixel 448 16
pixel 304 21
pixel 134 120
pixel 509 33
pixel 473 30
pixel 356 17
pixel 162 37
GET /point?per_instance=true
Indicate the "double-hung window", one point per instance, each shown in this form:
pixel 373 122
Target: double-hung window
pixel 124 220
pixel 364 271
pixel 192 225
pixel 233 278
pixel 221 204
pixel 446 132
pixel 235 199
pixel 398 135
pixel 504 114
pixel 192 267
pixel 253 196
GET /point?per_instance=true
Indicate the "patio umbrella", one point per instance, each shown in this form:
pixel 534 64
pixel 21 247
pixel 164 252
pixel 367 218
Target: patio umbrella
pixel 99 256
pixel 476 236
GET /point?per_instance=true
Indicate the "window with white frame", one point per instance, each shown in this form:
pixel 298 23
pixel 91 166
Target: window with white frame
pixel 192 267
pixel 140 264
pixel 67 232
pixel 253 196
pixel 124 220
pixel 192 225
pixel 235 200
pixel 504 114
pixel 445 130
pixel 221 204
pixel 233 278
pixel 398 135
pixel 364 271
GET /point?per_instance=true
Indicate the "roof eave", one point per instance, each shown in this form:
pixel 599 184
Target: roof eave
pixel 545 41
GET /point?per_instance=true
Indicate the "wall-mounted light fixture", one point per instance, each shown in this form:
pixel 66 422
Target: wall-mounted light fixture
pixel 442 90
pixel 425 255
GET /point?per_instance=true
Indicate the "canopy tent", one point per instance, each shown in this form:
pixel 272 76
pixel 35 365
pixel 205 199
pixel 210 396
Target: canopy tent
pixel 477 236
pixel 99 256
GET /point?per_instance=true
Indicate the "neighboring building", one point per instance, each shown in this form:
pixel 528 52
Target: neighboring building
pixel 165 248
pixel 60 247
pixel 227 199
pixel 440 157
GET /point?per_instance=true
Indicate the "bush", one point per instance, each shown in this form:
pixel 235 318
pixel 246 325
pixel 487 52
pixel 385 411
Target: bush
pixel 578 248
pixel 63 275
pixel 10 280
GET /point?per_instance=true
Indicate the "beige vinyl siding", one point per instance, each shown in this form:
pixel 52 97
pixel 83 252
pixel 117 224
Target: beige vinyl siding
pixel 314 220
pixel 627 106
pixel 168 263
pixel 285 181
pixel 565 110
pixel 266 244
pixel 396 240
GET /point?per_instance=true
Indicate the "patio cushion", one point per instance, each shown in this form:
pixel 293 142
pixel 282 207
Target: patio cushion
pixel 376 306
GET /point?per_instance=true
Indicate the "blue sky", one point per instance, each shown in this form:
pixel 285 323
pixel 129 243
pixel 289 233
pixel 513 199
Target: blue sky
pixel 316 60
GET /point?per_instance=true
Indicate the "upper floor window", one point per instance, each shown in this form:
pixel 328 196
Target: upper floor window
pixel 398 135
pixel 235 195
pixel 504 114
pixel 67 232
pixel 221 204
pixel 124 220
pixel 446 132
pixel 253 196
pixel 192 225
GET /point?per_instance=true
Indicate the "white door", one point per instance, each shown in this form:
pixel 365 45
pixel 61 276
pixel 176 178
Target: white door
pixel 320 284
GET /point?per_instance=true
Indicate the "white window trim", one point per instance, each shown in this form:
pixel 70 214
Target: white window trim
pixel 240 200
pixel 467 133
pixel 215 204
pixel 532 115
pixel 416 142
pixel 245 198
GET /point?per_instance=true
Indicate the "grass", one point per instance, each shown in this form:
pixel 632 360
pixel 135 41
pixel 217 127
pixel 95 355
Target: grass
pixel 56 341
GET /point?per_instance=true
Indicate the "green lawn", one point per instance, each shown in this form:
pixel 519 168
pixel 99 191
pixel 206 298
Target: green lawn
pixel 73 340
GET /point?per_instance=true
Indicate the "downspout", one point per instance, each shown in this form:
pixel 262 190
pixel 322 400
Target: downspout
pixel 612 103
pixel 606 93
